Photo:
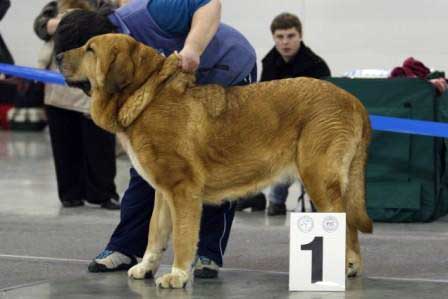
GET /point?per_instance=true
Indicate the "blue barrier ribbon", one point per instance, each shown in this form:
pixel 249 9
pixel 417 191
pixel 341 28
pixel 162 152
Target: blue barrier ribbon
pixel 409 126
pixel 379 123
pixel 32 73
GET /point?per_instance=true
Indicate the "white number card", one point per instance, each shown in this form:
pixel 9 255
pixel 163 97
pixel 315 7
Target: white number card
pixel 317 252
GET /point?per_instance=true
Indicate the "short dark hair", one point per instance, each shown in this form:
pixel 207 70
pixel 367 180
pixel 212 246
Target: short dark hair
pixel 78 26
pixel 286 20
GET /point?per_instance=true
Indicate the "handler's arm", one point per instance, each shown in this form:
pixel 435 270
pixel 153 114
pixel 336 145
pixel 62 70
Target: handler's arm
pixel 204 25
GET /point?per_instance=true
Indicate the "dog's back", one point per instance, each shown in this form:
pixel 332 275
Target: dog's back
pixel 258 128
pixel 284 109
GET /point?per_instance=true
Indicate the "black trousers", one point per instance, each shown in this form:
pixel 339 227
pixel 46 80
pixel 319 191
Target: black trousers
pixel 84 157
pixel 131 235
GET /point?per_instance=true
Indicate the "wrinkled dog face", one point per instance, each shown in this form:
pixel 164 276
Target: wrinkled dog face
pixel 103 63
pixel 77 66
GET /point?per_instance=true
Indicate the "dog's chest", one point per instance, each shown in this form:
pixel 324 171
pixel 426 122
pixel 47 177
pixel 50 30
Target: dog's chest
pixel 126 144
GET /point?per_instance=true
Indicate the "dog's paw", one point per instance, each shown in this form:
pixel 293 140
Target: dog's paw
pixel 352 270
pixel 354 264
pixel 140 271
pixel 177 279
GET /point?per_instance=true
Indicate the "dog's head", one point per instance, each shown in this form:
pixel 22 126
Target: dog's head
pixel 108 63
pixel 122 76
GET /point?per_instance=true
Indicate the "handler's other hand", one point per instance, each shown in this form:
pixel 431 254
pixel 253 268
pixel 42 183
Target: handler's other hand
pixel 189 60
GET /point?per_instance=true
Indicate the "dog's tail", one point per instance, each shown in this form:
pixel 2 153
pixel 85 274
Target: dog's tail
pixel 355 194
pixel 356 199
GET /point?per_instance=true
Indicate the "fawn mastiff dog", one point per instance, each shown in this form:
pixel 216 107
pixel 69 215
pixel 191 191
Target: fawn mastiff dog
pixel 202 144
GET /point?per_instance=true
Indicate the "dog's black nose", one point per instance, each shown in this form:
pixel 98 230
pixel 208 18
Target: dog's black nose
pixel 59 58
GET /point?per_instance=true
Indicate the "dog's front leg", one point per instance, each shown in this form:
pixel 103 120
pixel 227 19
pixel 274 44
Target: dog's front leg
pixel 159 233
pixel 186 218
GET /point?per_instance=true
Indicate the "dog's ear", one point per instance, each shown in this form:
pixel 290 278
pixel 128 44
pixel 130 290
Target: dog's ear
pixel 148 62
pixel 120 73
pixel 114 70
pixel 170 67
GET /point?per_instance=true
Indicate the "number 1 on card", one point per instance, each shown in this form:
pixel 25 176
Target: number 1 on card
pixel 316 247
pixel 317 252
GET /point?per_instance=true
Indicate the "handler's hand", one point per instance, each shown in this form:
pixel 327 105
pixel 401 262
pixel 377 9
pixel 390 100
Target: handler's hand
pixel 189 60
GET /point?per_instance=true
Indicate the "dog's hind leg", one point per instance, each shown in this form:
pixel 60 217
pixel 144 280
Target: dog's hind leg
pixel 186 217
pixel 325 175
pixel 357 218
pixel 159 233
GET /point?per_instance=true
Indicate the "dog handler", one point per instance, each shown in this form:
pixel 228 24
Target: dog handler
pixel 219 54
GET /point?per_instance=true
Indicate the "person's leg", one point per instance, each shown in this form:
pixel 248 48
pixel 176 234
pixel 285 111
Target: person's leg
pixel 216 224
pixel 255 202
pixel 279 193
pixel 130 237
pixel 277 199
pixel 99 165
pixel 65 135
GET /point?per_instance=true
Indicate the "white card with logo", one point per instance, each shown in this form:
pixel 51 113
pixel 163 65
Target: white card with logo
pixel 317 252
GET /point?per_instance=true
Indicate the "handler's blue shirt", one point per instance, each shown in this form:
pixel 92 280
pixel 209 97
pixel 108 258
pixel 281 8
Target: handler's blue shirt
pixel 174 16
pixel 228 59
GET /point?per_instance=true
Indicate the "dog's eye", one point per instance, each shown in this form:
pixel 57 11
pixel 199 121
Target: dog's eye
pixel 89 49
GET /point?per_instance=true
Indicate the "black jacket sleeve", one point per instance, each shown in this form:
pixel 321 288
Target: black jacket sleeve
pixel 4 6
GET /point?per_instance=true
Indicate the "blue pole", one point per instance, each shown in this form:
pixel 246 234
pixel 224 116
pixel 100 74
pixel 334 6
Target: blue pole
pixel 408 126
pixel 379 123
pixel 32 73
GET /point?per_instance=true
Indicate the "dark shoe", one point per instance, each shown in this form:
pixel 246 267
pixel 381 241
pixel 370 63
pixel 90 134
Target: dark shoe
pixel 256 203
pixel 111 261
pixel 111 204
pixel 72 203
pixel 276 209
pixel 205 268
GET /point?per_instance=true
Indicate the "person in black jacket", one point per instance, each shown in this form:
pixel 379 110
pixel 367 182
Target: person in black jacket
pixel 289 58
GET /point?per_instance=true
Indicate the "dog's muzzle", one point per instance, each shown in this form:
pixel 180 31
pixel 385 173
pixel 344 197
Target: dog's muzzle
pixel 83 85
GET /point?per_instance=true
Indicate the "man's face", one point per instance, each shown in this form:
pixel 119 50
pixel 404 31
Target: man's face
pixel 287 42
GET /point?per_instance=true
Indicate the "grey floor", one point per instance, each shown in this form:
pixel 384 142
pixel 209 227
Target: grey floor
pixel 44 249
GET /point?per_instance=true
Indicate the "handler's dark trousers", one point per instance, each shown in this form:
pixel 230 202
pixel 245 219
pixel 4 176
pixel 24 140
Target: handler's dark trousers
pixel 131 235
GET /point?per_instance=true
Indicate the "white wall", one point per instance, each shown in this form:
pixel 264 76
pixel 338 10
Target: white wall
pixel 17 30
pixel 352 34
pixel 348 34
